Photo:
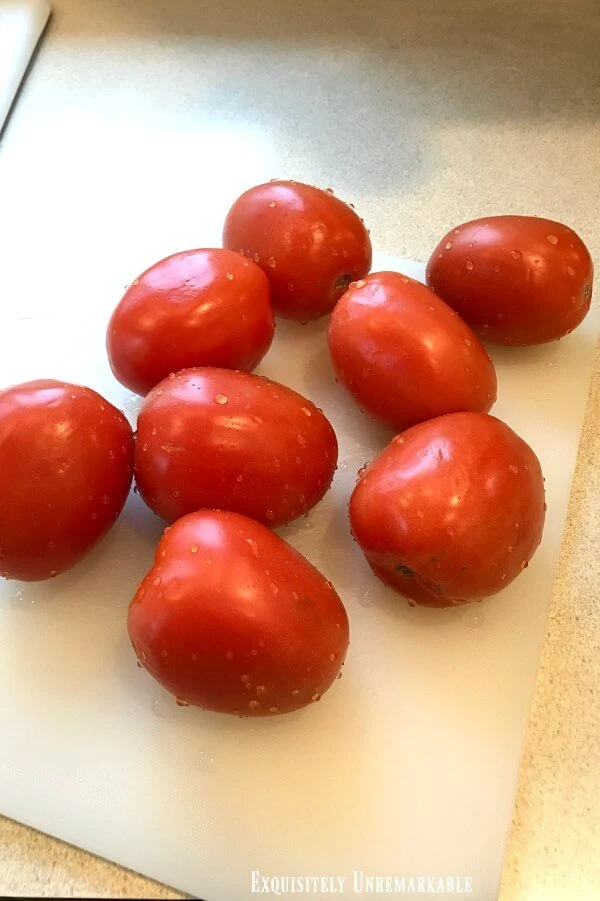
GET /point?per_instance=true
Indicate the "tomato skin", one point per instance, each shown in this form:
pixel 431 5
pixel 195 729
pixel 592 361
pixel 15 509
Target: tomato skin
pixel 309 243
pixel 451 511
pixel 207 307
pixel 404 355
pixel 66 460
pixel 232 619
pixel 229 440
pixel 516 280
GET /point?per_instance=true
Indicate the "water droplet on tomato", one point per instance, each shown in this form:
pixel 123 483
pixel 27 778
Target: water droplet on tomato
pixel 516 254
pixel 570 271
pixel 448 245
pixel 552 239
pixel 221 399
pixel 229 276
pixel 252 545
pixel 469 265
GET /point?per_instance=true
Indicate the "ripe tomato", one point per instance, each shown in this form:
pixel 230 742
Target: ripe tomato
pixel 310 244
pixel 451 511
pixel 231 618
pixel 404 355
pixel 229 440
pixel 515 279
pixel 66 461
pixel 196 308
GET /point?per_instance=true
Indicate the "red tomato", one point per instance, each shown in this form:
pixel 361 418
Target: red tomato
pixel 196 308
pixel 231 618
pixel 515 279
pixel 451 511
pixel 310 244
pixel 221 439
pixel 404 355
pixel 65 461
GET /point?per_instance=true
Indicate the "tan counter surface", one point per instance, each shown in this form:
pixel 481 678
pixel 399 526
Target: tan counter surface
pixel 474 108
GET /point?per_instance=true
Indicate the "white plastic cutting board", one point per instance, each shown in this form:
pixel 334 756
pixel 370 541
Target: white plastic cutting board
pixel 407 766
pixel 21 24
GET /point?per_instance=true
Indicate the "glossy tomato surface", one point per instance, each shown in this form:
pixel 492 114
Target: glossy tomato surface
pixel 231 618
pixel 230 440
pixel 309 243
pixel 66 461
pixel 196 308
pixel 515 279
pixel 451 511
pixel 404 355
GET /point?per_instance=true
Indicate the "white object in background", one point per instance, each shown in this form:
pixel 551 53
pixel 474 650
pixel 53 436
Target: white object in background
pixel 21 25
pixel 408 765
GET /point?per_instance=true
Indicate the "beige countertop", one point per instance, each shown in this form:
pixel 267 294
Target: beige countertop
pixel 484 108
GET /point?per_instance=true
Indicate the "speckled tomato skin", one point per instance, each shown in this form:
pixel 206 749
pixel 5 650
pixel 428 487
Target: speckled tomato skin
pixel 309 243
pixel 206 307
pixel 232 619
pixel 404 355
pixel 66 458
pixel 451 511
pixel 215 438
pixel 516 280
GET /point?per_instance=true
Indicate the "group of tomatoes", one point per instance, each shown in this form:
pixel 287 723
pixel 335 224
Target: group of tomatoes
pixel 230 617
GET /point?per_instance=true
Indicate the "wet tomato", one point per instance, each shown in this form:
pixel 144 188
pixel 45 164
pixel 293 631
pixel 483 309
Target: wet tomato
pixel 231 618
pixel 404 355
pixel 66 461
pixel 196 308
pixel 309 243
pixel 451 511
pixel 515 279
pixel 230 440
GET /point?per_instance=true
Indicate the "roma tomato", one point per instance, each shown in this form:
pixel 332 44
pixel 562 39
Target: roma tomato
pixel 233 619
pixel 404 355
pixel 229 440
pixel 515 279
pixel 196 308
pixel 451 511
pixel 66 461
pixel 310 244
